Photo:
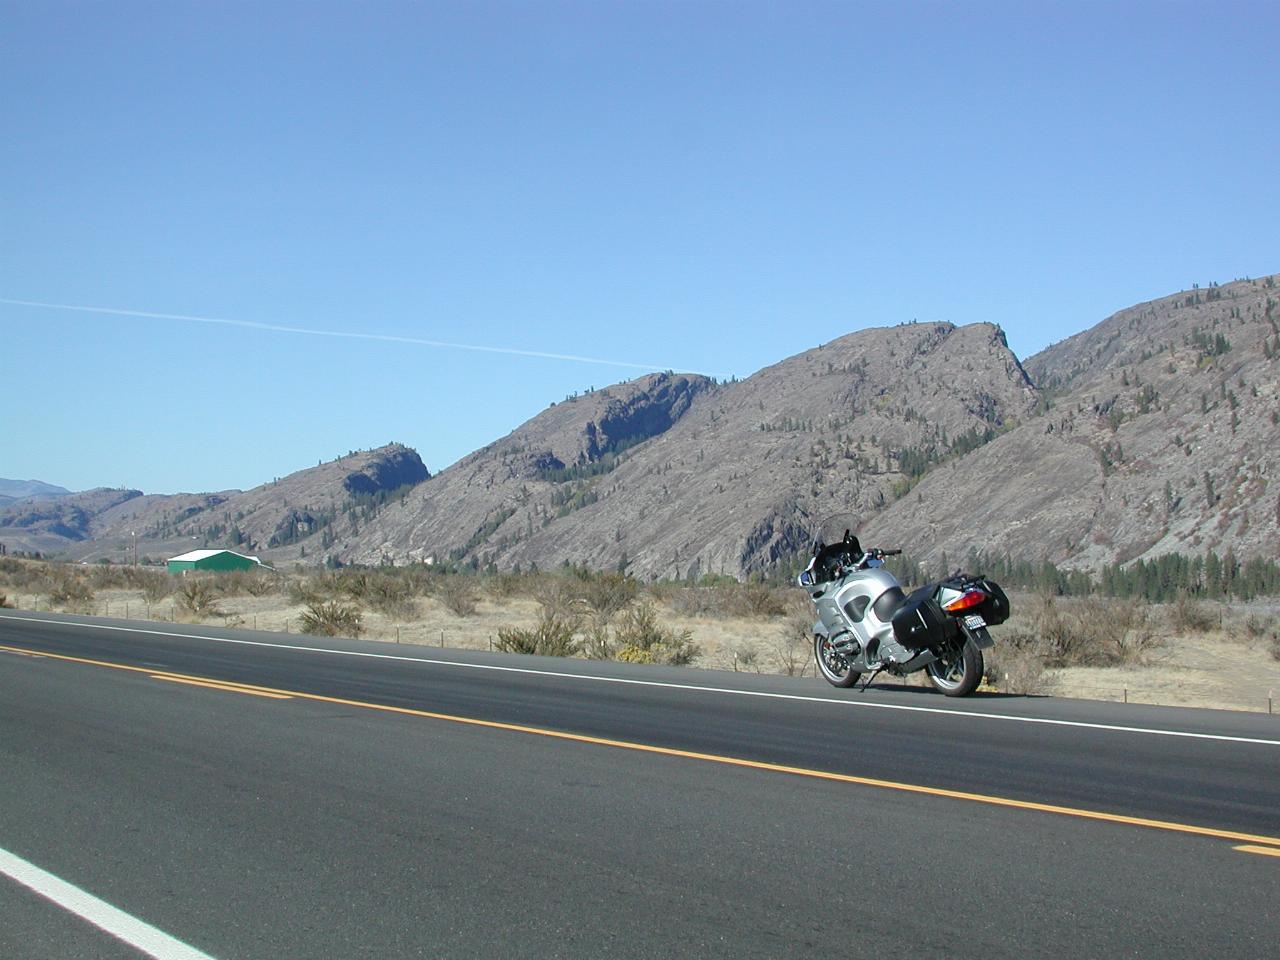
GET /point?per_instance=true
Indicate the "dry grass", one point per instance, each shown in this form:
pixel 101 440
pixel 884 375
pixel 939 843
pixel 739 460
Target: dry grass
pixel 1191 652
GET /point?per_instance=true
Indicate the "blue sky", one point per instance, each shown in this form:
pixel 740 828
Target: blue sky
pixel 695 185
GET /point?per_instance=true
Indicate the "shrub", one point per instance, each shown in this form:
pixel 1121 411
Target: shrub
pixel 697 601
pixel 552 637
pixel 71 591
pixel 458 595
pixel 21 574
pixel 1257 626
pixel 5 602
pixel 641 639
pixel 198 597
pixel 560 595
pixel 393 597
pixel 793 649
pixel 1191 616
pixel 157 587
pixel 1092 632
pixel 232 583
pixel 1016 664
pixel 597 643
pixel 745 658
pixel 262 584
pixel 331 619
pixel 104 577
pixel 508 585
pixel 307 591
pixel 609 593
pixel 760 600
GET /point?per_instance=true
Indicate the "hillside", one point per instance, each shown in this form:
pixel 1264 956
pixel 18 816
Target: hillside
pixel 731 485
pixel 11 490
pixel 1153 432
pixel 274 518
pixel 1160 436
pixel 51 525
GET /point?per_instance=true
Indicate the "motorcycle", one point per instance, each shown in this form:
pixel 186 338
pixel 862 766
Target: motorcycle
pixel 867 624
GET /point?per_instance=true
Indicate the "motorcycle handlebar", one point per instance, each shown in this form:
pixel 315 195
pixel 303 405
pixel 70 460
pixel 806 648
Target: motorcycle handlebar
pixel 888 553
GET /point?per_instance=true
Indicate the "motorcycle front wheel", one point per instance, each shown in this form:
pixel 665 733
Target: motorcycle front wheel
pixel 957 673
pixel 832 664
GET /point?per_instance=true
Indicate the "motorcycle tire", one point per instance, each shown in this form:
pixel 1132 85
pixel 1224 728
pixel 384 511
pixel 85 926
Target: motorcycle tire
pixel 833 667
pixel 957 674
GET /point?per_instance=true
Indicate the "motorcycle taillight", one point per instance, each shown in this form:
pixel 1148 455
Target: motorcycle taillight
pixel 966 601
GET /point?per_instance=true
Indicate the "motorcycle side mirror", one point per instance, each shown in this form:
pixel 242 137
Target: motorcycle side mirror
pixel 806 579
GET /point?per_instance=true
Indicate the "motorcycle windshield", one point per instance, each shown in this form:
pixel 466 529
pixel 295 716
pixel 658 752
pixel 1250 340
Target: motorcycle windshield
pixel 833 528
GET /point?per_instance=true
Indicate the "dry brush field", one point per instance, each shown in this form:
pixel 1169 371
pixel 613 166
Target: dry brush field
pixel 1188 653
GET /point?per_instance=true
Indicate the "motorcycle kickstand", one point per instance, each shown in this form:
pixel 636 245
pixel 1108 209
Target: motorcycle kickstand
pixel 867 682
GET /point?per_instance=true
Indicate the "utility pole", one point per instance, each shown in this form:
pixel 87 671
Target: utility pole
pixel 135 548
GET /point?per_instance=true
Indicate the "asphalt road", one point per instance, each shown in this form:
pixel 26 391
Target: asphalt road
pixel 346 808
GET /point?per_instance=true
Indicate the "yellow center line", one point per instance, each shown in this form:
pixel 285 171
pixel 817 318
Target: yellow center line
pixel 230 688
pixel 987 799
pixel 1265 851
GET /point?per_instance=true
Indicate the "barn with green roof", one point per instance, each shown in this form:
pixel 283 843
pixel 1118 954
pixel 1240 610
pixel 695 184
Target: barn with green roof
pixel 214 560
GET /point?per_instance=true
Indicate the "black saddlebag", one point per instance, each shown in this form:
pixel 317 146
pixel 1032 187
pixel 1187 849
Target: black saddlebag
pixel 995 609
pixel 920 623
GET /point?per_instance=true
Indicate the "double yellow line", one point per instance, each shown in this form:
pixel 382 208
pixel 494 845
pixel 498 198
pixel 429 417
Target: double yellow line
pixel 223 685
pixel 1247 842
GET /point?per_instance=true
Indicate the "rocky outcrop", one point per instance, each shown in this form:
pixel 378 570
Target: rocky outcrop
pixel 395 467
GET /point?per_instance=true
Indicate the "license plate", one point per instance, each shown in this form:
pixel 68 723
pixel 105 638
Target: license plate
pixel 974 622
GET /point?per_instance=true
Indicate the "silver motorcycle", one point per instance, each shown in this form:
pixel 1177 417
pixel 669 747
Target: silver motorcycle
pixel 867 624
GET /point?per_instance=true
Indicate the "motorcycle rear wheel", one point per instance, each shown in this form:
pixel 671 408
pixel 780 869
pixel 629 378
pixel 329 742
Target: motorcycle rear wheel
pixel 832 664
pixel 957 673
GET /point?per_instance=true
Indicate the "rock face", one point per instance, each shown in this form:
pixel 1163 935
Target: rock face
pixel 396 467
pixel 556 465
pixel 711 478
pixel 1158 434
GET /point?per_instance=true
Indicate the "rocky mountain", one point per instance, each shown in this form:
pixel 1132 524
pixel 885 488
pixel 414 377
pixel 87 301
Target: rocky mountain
pixel 1158 435
pixel 276 518
pixel 1152 432
pixel 712 478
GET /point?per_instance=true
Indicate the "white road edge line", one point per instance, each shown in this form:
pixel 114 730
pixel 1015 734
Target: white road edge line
pixel 863 704
pixel 137 934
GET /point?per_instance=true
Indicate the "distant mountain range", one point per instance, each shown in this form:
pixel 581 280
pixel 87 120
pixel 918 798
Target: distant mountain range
pixel 1153 432
pixel 12 491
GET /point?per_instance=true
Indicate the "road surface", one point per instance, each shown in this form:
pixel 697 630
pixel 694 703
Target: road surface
pixel 253 795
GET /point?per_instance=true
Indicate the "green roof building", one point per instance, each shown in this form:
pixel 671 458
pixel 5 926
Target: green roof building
pixel 212 560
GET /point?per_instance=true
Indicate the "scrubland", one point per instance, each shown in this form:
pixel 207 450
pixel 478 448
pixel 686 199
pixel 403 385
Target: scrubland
pixel 1191 652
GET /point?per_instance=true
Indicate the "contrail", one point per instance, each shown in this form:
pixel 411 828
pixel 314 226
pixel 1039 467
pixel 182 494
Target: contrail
pixel 346 334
